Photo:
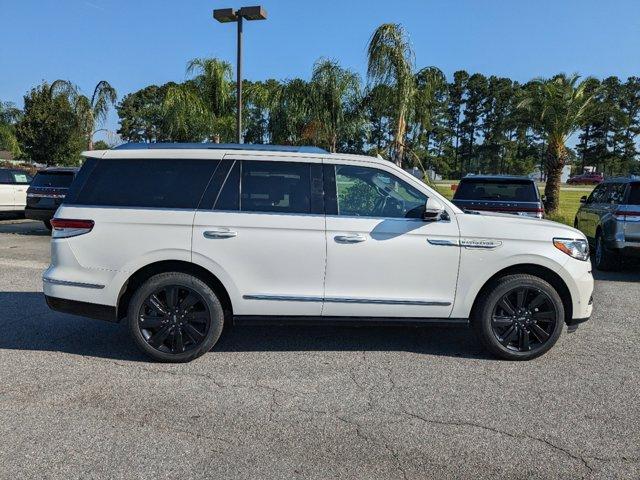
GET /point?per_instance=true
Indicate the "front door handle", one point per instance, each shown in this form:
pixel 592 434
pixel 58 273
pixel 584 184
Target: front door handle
pixel 355 238
pixel 220 233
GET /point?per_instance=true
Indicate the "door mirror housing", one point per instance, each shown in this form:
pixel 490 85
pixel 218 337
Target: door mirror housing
pixel 583 199
pixel 433 210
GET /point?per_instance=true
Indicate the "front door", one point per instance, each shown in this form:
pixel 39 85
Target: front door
pixel 263 235
pixel 383 259
pixel 7 191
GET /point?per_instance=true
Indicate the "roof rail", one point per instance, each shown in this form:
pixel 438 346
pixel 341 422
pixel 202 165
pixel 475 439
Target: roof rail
pixel 221 146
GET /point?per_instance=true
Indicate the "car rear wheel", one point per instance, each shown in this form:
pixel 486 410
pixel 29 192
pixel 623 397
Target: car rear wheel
pixel 519 318
pixel 604 258
pixel 175 317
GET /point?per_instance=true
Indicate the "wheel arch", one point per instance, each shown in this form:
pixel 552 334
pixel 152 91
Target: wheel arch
pixel 144 273
pixel 539 271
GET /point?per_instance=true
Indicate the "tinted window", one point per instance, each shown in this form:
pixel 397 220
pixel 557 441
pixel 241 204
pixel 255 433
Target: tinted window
pixel 501 190
pixel 159 183
pixel 634 194
pixel 598 195
pixel 54 180
pixel 368 192
pixel 275 187
pixel 6 177
pixel 615 194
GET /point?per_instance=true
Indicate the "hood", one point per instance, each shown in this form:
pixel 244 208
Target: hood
pixel 505 225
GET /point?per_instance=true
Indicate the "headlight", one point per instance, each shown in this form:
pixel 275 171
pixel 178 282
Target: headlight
pixel 574 248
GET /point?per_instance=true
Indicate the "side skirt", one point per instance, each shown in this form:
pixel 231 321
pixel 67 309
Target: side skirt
pixel 346 321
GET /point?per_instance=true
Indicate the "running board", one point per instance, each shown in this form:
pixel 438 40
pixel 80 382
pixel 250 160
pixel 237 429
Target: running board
pixel 347 321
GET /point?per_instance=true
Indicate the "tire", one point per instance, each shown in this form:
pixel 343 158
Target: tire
pixel 182 321
pixel 47 224
pixel 532 329
pixel 605 259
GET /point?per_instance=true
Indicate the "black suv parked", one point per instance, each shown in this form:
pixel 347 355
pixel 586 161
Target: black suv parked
pixel 499 193
pixel 47 191
pixel 610 218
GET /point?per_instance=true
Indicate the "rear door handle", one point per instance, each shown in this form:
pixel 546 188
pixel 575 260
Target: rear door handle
pixel 355 238
pixel 220 233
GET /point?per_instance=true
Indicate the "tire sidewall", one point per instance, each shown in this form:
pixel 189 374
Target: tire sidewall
pixel 503 286
pixel 184 280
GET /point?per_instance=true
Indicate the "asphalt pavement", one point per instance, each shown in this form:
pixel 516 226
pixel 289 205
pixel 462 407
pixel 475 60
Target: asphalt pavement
pixel 77 400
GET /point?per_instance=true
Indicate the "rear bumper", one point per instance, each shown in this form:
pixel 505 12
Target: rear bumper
pixel 83 309
pixel 38 214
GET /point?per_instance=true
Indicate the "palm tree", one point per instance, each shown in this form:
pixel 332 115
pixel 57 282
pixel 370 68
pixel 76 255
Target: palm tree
pixel 558 107
pixel 200 106
pixel 335 94
pixel 391 62
pixel 91 112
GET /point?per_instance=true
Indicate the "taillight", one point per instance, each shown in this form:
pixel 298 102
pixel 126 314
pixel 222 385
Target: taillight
pixel 65 228
pixel 625 215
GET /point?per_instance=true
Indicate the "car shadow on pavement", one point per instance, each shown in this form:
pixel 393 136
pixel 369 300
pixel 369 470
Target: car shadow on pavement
pixel 630 272
pixel 26 323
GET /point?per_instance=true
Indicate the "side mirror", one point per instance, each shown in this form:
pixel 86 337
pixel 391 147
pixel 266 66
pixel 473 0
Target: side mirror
pixel 583 199
pixel 433 210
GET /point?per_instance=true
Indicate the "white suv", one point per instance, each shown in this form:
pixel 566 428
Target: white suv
pixel 178 238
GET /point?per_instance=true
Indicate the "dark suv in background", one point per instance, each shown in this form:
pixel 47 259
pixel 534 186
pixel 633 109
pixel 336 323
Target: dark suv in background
pixel 499 193
pixel 610 218
pixel 47 191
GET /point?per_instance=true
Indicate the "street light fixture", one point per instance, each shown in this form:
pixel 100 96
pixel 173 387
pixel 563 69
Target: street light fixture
pixel 227 15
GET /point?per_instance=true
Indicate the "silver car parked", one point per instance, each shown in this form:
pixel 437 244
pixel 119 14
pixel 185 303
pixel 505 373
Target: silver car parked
pixel 610 218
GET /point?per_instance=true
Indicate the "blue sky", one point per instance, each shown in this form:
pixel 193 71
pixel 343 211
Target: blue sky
pixel 139 42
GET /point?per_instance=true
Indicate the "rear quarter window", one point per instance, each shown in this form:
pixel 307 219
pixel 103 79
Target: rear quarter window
pixel 150 183
pixel 634 194
pixel 499 190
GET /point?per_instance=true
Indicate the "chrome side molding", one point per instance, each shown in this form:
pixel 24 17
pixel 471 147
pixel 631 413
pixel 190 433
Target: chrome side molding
pixel 373 301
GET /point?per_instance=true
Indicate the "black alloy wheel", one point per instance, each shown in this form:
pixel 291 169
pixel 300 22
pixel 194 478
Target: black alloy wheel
pixel 524 319
pixel 518 317
pixel 174 319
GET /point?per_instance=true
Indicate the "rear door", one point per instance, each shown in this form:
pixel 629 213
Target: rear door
pixel 261 229
pixel 21 184
pixel 7 191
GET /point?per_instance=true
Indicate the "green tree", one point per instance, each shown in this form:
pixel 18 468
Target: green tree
pixel 457 90
pixel 9 116
pixel 50 131
pixel 91 112
pixel 200 108
pixel 141 115
pixel 335 97
pixel 558 107
pixel 391 62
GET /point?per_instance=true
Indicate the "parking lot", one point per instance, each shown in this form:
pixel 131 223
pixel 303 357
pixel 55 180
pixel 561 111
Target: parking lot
pixel 77 400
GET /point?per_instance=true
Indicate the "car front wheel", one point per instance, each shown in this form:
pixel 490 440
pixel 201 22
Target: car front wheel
pixel 520 317
pixel 604 258
pixel 175 317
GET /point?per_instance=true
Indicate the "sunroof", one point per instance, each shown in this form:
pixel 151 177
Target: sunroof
pixel 222 146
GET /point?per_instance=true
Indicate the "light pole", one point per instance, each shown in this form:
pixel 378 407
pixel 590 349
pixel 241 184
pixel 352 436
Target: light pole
pixel 226 15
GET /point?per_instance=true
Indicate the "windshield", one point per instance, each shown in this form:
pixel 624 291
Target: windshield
pixel 503 190
pixel 634 194
pixel 55 180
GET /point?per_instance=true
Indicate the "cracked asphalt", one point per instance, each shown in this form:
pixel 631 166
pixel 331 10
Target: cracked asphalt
pixel 77 400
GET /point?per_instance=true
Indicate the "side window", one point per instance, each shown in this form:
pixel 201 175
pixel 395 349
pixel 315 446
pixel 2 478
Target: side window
pixel 598 194
pixel 150 183
pixel 368 192
pixel 5 177
pixel 229 196
pixel 283 187
pixel 616 193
